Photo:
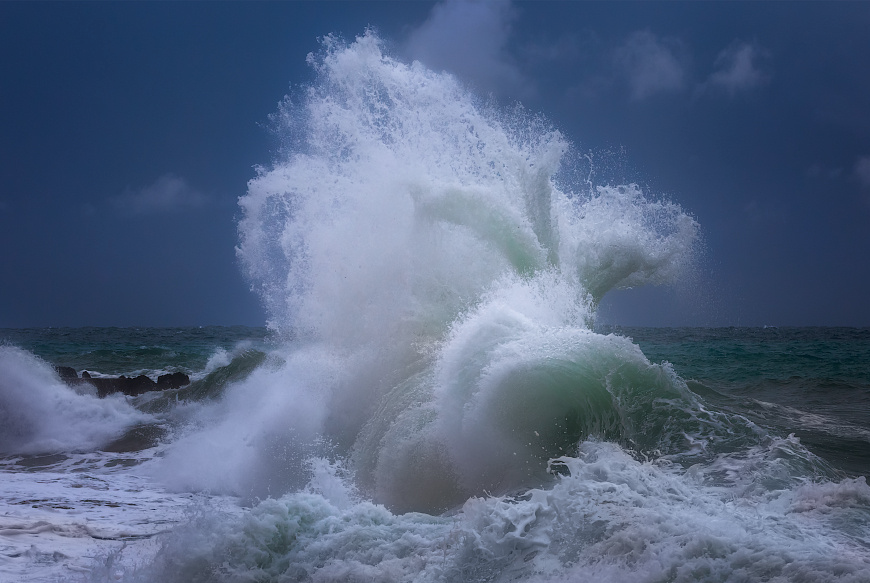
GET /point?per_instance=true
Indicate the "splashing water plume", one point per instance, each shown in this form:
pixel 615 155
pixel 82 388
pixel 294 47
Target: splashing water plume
pixel 440 407
pixel 437 285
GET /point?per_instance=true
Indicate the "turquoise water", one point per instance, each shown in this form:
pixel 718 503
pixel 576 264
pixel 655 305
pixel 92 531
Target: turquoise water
pixel 131 351
pixel 812 382
pixel 774 491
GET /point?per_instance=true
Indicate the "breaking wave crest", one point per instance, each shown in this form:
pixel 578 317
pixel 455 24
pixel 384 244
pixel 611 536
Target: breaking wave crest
pixel 441 407
pixel 418 248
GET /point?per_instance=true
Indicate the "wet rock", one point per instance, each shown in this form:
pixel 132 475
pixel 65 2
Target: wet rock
pixel 67 373
pixel 174 380
pixel 131 386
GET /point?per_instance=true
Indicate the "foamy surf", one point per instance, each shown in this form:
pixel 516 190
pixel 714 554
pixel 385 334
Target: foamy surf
pixel 440 406
pixel 439 280
pixel 433 274
pixel 40 414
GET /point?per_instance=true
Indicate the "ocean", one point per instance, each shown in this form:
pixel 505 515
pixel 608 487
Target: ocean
pixel 433 397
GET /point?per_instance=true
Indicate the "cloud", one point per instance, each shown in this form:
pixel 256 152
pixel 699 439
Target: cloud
pixel 738 69
pixel 168 194
pixel 862 171
pixel 651 65
pixel 469 38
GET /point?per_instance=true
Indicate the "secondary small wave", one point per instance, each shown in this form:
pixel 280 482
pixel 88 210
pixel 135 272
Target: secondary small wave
pixel 438 281
pixel 40 414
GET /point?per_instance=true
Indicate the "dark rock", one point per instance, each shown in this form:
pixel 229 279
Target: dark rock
pixel 175 380
pixel 122 384
pixel 67 373
pixel 105 386
pixel 138 385
pixel 129 386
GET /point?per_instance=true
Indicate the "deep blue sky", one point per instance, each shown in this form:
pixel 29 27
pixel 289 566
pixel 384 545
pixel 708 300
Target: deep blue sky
pixel 128 131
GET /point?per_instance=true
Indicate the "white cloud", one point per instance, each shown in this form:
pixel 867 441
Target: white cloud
pixel 469 38
pixel 651 65
pixel 168 194
pixel 862 171
pixel 738 69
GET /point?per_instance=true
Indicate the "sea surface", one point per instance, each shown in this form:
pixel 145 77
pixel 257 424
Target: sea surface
pixel 779 495
pixel 433 397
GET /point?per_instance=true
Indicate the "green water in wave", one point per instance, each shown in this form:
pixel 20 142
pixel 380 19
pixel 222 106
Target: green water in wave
pixel 810 382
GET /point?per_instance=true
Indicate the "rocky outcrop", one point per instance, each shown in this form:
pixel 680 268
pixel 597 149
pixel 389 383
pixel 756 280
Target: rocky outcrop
pixel 67 373
pixel 174 380
pixel 127 385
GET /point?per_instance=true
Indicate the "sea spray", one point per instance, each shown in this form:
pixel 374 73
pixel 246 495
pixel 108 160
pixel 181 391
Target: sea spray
pixel 441 408
pixel 409 226
pixel 40 414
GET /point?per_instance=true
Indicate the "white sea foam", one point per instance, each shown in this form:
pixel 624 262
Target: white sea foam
pixel 443 410
pixel 41 414
pixel 410 224
pixel 610 517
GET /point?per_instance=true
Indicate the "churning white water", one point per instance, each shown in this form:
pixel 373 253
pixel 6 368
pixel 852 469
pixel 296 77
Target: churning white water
pixel 439 287
pixel 440 407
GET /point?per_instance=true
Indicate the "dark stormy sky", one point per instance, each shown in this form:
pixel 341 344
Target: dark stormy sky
pixel 129 130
